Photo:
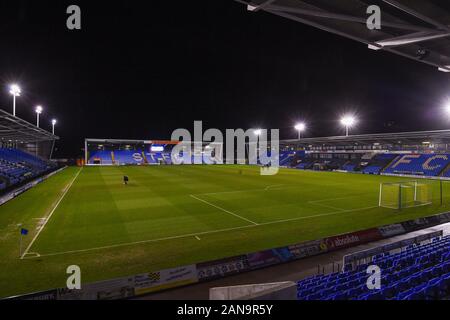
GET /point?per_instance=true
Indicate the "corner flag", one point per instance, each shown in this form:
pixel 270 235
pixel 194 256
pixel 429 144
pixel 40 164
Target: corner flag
pixel 23 232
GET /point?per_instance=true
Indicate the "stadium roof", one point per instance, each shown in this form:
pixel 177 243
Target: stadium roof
pixel 420 137
pixel 129 141
pixel 14 129
pixel 416 29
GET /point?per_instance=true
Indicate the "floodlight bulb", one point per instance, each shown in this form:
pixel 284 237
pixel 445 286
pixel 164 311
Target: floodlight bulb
pixel 14 89
pixel 258 132
pixel 53 121
pixel 39 109
pixel 300 126
pixel 447 108
pixel 348 121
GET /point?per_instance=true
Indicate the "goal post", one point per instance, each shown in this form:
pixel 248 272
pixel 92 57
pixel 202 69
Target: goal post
pixel 407 194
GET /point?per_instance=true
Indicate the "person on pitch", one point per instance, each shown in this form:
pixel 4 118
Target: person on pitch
pixel 125 180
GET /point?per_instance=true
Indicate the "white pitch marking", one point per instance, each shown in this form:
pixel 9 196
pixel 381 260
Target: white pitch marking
pixel 199 233
pixel 198 238
pixel 247 190
pixel 37 255
pixel 325 205
pixel 333 199
pixel 226 192
pixel 224 210
pixel 319 215
pixel 273 186
pixel 51 213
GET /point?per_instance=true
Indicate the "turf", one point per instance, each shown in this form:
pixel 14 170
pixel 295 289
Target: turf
pixel 175 215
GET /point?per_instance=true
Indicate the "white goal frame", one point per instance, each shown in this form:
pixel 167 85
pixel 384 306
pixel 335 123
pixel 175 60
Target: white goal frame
pixel 417 197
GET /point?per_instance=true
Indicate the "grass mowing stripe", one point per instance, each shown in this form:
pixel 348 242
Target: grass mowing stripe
pixel 50 215
pixel 201 233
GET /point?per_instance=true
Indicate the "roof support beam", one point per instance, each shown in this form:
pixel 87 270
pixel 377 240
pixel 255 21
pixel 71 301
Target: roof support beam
pixel 414 13
pixel 412 38
pixel 309 17
pixel 263 5
pixel 443 68
pixel 343 17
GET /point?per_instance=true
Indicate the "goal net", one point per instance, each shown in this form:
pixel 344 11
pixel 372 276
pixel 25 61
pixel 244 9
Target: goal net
pixel 399 195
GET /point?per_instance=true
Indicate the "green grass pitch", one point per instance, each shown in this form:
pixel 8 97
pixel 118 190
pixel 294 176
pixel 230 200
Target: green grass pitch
pixel 175 215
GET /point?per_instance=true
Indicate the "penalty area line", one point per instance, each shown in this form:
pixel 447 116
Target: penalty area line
pixel 317 203
pixel 41 227
pixel 183 236
pixel 224 210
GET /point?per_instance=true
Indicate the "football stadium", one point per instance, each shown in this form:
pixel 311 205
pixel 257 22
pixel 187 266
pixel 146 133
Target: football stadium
pixel 345 216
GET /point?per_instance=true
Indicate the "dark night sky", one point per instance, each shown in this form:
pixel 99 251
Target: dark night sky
pixel 140 69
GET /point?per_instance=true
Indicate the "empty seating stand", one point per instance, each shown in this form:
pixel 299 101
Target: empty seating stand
pixel 446 174
pixel 350 167
pixel 286 158
pixel 419 164
pixel 128 157
pixel 419 272
pixel 378 163
pixel 100 157
pixel 17 166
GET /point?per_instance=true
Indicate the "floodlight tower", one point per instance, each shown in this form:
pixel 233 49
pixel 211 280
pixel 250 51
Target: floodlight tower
pixel 15 91
pixel 257 132
pixel 348 122
pixel 53 126
pixel 300 127
pixel 38 112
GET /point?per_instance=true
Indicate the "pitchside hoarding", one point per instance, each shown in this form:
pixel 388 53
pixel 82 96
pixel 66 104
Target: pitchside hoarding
pixel 221 268
pixel 165 279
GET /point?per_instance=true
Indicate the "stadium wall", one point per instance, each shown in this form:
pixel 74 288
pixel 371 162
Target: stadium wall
pixel 145 283
pixel 18 191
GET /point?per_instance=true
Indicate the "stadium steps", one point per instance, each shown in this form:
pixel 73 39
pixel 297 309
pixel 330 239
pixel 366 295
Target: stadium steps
pixel 445 172
pixel 286 160
pixel 144 157
pixel 391 163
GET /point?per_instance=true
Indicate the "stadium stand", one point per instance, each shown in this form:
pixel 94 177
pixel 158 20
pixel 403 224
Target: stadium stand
pixel 305 164
pixel 286 158
pixel 420 272
pixel 349 166
pixel 128 157
pixel 335 164
pixel 419 164
pixel 17 166
pixel 153 157
pixel 446 173
pixel 378 163
pixel 101 157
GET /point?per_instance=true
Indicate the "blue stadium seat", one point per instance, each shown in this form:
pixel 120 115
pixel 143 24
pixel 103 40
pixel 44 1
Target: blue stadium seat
pixel 419 272
pixel 129 157
pixel 419 164
pixel 17 166
pixel 100 156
